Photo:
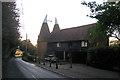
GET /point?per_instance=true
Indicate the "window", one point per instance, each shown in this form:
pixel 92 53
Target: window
pixel 84 43
pixel 58 44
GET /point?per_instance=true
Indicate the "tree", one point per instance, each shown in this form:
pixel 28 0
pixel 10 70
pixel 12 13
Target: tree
pixel 31 49
pixel 36 45
pixel 10 27
pixel 108 16
pixel 98 36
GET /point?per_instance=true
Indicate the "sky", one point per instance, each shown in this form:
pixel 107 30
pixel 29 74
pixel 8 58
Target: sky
pixel 69 13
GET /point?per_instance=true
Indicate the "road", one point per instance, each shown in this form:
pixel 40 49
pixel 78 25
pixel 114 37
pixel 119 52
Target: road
pixel 17 68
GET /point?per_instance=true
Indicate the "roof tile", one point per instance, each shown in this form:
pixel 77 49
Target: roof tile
pixel 71 34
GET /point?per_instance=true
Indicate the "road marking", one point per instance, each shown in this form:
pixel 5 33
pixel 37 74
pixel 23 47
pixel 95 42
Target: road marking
pixel 34 77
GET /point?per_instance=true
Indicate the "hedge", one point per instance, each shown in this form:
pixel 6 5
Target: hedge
pixel 104 57
pixel 29 58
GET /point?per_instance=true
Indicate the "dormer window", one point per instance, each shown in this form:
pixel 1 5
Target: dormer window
pixel 84 44
pixel 58 44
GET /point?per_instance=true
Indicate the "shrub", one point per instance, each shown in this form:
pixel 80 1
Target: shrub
pixel 104 57
pixel 25 58
pixel 28 57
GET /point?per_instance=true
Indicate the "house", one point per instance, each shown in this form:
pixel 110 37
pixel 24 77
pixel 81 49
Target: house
pixel 114 43
pixel 64 42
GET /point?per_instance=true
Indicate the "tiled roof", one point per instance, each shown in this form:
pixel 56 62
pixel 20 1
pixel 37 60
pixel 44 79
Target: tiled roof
pixel 44 33
pixel 71 34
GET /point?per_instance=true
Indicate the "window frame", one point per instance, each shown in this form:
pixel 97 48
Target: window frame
pixel 58 44
pixel 84 44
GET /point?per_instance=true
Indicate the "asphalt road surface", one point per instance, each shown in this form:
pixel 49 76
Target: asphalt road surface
pixel 17 68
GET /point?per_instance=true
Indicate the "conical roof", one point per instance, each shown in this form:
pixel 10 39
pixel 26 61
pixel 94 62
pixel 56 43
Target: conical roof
pixel 56 26
pixel 44 32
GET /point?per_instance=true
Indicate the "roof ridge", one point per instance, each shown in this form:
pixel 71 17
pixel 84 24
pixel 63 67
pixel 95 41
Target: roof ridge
pixel 77 26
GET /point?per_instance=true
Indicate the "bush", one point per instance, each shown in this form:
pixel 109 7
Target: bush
pixel 104 57
pixel 29 58
pixel 25 58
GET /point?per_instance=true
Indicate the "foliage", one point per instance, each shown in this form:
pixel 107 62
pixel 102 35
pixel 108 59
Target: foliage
pixel 10 27
pixel 27 57
pixel 108 14
pixel 98 36
pixel 104 57
pixel 30 48
pixel 36 45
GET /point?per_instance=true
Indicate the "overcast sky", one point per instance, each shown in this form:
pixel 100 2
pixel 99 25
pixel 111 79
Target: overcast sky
pixel 69 13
